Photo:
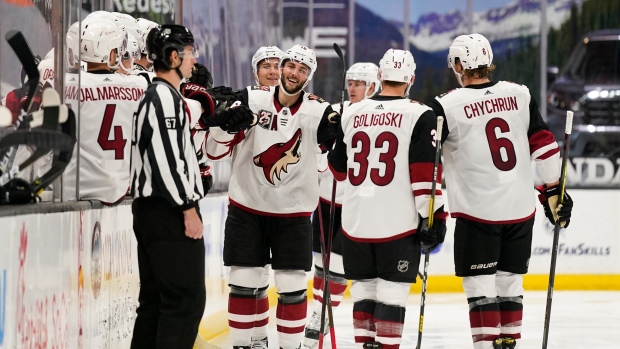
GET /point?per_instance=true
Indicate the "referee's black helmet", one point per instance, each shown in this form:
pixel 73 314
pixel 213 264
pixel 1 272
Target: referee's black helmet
pixel 162 40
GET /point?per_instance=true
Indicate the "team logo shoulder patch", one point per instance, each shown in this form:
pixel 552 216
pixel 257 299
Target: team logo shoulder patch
pixel 314 97
pixel 443 94
pixel 264 88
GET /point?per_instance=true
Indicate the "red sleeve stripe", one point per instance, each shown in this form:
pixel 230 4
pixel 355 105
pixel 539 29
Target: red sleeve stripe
pixel 541 139
pixel 423 172
pixel 548 154
pixel 340 176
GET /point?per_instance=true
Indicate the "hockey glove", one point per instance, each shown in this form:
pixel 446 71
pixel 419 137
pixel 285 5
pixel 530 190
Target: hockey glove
pixel 200 94
pixel 431 237
pixel 223 94
pixel 236 118
pixel 207 178
pixel 17 191
pixel 201 76
pixel 549 197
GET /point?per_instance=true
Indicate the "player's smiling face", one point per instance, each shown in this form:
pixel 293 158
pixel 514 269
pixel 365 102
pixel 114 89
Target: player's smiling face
pixel 267 72
pixel 294 76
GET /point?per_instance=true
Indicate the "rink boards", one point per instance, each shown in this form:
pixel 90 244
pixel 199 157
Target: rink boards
pixel 69 275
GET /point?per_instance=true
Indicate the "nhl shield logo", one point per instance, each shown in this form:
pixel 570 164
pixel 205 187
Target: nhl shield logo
pixel 403 266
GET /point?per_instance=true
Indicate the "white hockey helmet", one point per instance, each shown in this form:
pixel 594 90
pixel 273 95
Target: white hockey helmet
pixel 301 54
pixel 265 52
pixel 397 65
pixel 100 15
pixel 72 54
pixel 367 72
pixel 99 37
pixel 128 23
pixel 473 51
pixel 145 26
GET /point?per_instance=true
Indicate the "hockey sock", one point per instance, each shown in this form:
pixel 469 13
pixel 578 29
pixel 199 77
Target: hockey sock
pixel 242 314
pixel 337 286
pixel 262 315
pixel 291 318
pixel 363 321
pixel 389 321
pixel 484 319
pixel 511 314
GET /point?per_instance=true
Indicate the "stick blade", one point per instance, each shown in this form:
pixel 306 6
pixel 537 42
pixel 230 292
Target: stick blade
pixel 20 46
pixel 338 51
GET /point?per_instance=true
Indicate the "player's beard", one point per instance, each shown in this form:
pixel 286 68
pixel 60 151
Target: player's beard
pixel 294 90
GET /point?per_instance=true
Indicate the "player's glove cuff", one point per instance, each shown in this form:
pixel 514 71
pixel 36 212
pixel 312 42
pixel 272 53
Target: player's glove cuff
pixel 549 198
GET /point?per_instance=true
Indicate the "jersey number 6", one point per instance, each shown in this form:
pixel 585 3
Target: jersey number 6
pixel 118 142
pixel 361 158
pixel 496 144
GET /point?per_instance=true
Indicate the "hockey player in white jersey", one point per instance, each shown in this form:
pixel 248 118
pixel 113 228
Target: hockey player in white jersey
pixel 362 83
pixel 273 191
pixel 107 103
pixel 492 131
pixel 384 154
pixel 144 63
pixel 266 65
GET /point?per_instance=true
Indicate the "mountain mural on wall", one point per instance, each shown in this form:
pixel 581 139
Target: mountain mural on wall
pixel 434 32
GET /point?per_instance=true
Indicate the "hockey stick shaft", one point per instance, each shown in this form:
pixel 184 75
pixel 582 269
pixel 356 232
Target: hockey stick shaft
pixel 18 43
pixel 556 229
pixel 431 216
pixel 20 46
pixel 332 213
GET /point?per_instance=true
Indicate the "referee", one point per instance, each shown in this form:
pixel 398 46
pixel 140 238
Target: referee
pixel 166 184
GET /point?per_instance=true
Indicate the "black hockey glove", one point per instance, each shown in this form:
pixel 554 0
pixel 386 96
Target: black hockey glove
pixel 207 178
pixel 223 94
pixel 201 76
pixel 236 118
pixel 17 191
pixel 549 197
pixel 430 238
pixel 334 124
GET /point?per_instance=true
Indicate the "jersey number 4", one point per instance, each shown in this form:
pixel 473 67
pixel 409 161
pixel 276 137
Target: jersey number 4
pixel 386 158
pixel 117 143
pixel 508 160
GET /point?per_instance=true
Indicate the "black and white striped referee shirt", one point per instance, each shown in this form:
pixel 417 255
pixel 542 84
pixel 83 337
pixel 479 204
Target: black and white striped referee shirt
pixel 163 158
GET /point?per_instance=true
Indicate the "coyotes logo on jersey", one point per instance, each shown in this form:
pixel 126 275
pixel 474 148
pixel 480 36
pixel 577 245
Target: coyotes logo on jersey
pixel 278 157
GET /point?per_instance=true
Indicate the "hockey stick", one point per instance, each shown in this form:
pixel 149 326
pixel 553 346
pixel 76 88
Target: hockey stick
pixel 20 46
pixel 327 303
pixel 556 231
pixel 431 218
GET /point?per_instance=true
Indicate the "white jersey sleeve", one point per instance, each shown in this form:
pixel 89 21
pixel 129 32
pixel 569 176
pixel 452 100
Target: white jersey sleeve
pixel 107 104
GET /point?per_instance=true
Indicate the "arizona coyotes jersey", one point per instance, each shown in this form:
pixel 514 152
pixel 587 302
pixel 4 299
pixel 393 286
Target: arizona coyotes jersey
pixel 386 154
pixel 107 104
pixel 274 164
pixel 491 133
